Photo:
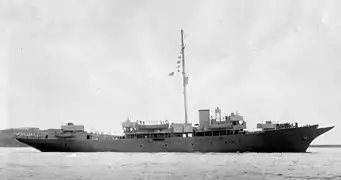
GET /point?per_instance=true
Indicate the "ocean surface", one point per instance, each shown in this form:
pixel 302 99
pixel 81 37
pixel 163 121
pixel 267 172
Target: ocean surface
pixel 30 164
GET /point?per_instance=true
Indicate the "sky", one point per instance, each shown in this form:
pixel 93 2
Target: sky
pixel 98 62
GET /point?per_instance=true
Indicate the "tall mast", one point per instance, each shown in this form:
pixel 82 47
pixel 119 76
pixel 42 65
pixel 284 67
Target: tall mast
pixel 184 77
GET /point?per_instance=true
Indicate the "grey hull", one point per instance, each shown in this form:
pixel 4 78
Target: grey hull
pixel 284 140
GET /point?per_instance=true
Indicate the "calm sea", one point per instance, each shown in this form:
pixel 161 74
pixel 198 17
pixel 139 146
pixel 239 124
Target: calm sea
pixel 27 163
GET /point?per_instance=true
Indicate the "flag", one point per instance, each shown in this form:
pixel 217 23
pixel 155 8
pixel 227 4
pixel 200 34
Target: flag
pixel 171 74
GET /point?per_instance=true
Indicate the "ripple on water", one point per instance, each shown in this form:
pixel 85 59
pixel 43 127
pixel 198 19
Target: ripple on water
pixel 28 164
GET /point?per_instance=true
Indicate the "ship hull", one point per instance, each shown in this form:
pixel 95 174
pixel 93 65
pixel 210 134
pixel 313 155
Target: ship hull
pixel 284 140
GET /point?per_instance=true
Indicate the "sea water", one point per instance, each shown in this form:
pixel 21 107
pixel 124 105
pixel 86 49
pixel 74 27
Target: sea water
pixel 30 164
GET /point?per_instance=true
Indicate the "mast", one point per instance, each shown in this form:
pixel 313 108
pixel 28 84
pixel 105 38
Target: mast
pixel 184 77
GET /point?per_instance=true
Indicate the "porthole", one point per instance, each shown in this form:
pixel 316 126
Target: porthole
pixel 211 142
pixel 141 145
pixel 192 144
pixel 232 141
pixel 166 145
pixel 225 142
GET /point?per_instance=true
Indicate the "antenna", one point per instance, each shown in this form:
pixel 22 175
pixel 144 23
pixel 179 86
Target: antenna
pixel 184 77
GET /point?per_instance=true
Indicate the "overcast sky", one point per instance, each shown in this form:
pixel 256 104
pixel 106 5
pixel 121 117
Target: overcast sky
pixel 97 62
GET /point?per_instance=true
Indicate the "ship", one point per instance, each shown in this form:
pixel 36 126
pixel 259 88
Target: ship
pixel 215 133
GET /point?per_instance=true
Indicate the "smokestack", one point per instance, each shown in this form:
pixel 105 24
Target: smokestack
pixel 204 118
